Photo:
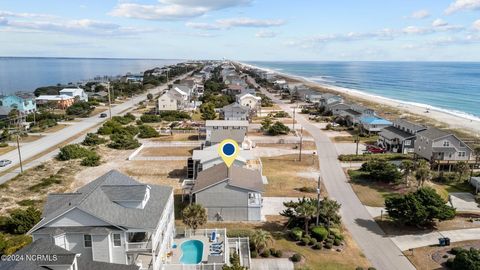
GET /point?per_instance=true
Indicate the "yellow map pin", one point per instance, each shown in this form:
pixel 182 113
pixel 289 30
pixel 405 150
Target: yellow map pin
pixel 228 150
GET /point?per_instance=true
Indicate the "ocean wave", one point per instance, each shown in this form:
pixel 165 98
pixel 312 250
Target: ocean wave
pixel 429 107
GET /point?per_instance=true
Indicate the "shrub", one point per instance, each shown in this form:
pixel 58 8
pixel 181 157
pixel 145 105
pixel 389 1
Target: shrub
pixel 73 151
pixel 372 268
pixel 320 233
pixel 92 160
pixel 147 132
pixel 123 141
pixel 313 241
pixel 278 129
pixel 27 202
pixel 328 240
pixel 359 268
pixel 278 254
pixel 46 182
pixel 93 139
pixel 305 241
pixel 11 244
pixel 110 127
pixel 317 246
pixel 328 127
pixel 3 144
pixel 328 245
pixel 253 254
pixel 336 232
pixel 449 263
pixel 296 233
pixel 80 108
pixel 308 189
pixel 21 221
pixel 265 253
pixel 296 257
pixel 150 118
pixel 456 250
pixel 127 119
pixel 235 233
pixel 337 242
pixel 381 170
pixel 171 116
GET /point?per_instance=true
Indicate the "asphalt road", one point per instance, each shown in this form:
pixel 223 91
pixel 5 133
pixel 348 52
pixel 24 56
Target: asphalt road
pixel 376 246
pixel 29 150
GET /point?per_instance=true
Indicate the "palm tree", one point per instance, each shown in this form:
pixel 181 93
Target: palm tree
pixel 260 239
pixel 422 173
pixel 305 209
pixel 407 167
pixel 461 168
pixel 329 211
pixel 194 216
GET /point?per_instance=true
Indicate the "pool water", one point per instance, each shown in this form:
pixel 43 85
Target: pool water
pixel 192 252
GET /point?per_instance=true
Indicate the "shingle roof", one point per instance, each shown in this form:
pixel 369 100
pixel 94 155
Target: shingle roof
pixel 394 133
pixel 93 200
pixel 352 112
pixel 408 125
pixel 236 176
pixel 433 133
pixel 226 123
pixel 76 229
pixel 235 106
pixel 372 120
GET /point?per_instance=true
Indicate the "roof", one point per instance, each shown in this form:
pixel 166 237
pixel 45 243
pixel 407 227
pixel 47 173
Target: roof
pixel 235 106
pixel 98 198
pixel 408 125
pixel 433 133
pixel 54 97
pixel 211 152
pixel 372 120
pixel 5 110
pixel 226 123
pixel 70 90
pixel 392 132
pixel 352 112
pixel 236 176
pixel 76 229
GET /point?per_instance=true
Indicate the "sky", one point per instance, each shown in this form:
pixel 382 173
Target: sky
pixel 271 30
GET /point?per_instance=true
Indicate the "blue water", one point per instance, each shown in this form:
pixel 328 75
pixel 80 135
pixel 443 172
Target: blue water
pixel 192 252
pixel 27 73
pixel 451 86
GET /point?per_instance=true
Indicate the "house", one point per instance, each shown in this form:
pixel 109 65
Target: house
pixel 234 89
pixel 181 92
pixel 249 100
pixel 101 95
pixel 235 111
pixel 337 108
pixel 373 124
pixel 327 99
pixel 400 137
pixel 60 101
pixel 113 219
pixel 46 254
pixel 229 194
pixel 169 102
pixel 355 112
pixel 219 130
pixel 281 84
pixel 23 102
pixel 134 78
pixel 437 145
pixel 209 156
pixel 77 93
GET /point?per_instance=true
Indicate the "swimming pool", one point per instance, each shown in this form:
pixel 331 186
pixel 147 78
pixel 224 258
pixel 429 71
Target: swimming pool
pixel 192 252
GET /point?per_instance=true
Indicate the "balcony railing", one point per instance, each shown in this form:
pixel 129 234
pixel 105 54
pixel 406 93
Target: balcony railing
pixel 139 246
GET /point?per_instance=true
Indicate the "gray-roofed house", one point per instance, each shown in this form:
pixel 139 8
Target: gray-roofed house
pixel 337 107
pixel 44 254
pixel 219 130
pixel 400 137
pixel 230 194
pixel 440 146
pixel 113 219
pixel 328 98
pixel 235 111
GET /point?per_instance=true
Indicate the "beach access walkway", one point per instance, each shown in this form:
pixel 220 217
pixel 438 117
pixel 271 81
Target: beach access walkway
pixel 377 247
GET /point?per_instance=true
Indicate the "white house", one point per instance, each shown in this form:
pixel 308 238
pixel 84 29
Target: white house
pixel 249 100
pixel 113 219
pixel 75 92
pixel 219 130
pixel 168 102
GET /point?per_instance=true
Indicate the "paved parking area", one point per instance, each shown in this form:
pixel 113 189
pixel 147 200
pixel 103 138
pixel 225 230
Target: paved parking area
pixel 272 206
pixel 464 201
pixel 272 264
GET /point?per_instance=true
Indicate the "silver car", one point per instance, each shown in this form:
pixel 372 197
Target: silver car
pixel 5 162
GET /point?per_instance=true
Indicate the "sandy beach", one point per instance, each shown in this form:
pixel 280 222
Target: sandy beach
pixel 465 124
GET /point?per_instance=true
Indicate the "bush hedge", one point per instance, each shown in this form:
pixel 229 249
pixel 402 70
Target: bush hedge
pixel 74 151
pixel 296 233
pixel 146 131
pixel 93 139
pixel 296 257
pixel 320 233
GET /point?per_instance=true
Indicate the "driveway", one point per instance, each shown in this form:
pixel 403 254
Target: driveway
pixel 378 248
pixel 272 264
pixel 272 206
pixel 349 148
pixel 464 201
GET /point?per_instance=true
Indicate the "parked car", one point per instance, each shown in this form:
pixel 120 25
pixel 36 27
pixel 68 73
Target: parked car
pixel 375 149
pixel 103 115
pixel 5 162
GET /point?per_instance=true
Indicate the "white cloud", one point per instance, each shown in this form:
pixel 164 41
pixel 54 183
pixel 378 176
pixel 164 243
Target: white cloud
pixel 439 23
pixel 173 9
pixel 460 5
pixel 4 13
pixel 420 14
pixel 249 22
pixel 265 34
pixel 416 30
pixel 476 25
pixel 235 22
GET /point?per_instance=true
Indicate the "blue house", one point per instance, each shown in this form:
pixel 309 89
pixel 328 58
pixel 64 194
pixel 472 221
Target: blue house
pixel 374 124
pixel 24 102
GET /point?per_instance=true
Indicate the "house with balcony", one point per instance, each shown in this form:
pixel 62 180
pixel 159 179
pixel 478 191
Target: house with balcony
pixel 76 93
pixel 113 219
pixel 23 102
pixel 249 100
pixel 400 137
pixel 436 145
pixel 373 124
pixel 235 111
pixel 169 102
pixel 219 130
pixel 229 194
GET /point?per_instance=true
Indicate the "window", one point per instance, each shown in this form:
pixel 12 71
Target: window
pixel 446 143
pixel 408 143
pixel 87 240
pixel 117 241
pixel 461 154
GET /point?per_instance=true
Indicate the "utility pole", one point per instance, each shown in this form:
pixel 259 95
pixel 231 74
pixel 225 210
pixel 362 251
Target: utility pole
pixel 319 186
pixel 294 119
pixel 19 153
pixel 301 143
pixel 356 142
pixel 109 101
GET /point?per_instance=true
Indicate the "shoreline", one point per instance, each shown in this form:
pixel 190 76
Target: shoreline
pixel 467 123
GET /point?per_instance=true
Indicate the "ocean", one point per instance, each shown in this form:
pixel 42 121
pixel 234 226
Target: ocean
pixel 453 87
pixel 29 73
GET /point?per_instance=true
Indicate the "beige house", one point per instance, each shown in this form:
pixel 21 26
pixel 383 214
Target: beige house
pixel 249 100
pixel 168 102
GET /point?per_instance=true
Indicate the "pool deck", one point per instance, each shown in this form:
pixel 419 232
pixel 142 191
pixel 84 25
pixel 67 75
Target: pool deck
pixel 177 252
